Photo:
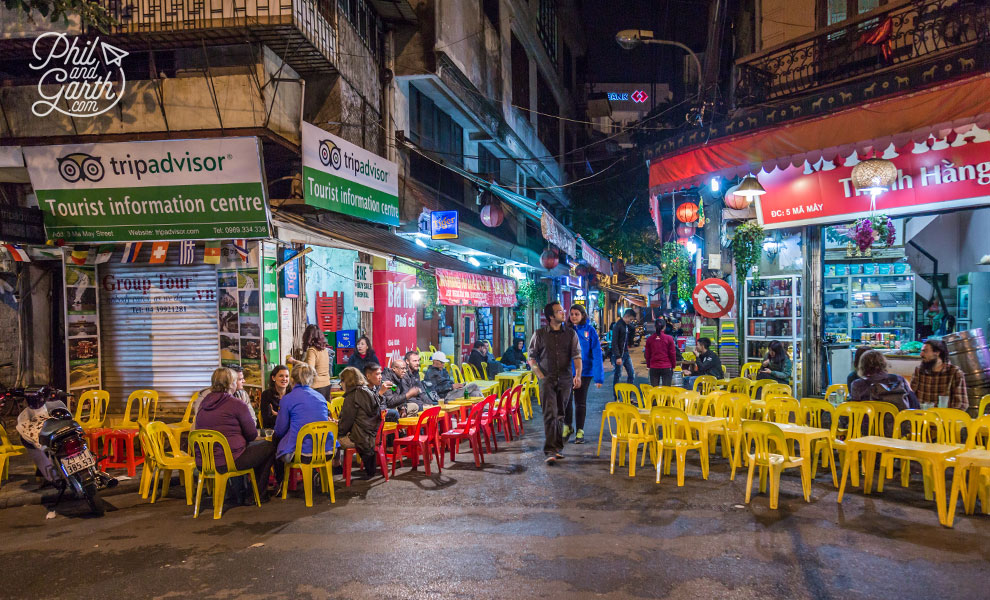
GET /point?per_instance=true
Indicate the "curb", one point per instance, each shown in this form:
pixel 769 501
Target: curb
pixel 25 498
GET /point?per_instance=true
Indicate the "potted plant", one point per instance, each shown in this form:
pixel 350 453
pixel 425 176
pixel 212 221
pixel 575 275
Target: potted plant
pixel 747 247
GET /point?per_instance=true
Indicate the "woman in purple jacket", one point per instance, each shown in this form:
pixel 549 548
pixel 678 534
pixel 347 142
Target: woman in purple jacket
pixel 222 411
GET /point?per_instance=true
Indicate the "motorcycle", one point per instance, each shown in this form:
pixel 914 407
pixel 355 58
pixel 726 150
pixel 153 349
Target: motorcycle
pixel 73 464
pixel 638 334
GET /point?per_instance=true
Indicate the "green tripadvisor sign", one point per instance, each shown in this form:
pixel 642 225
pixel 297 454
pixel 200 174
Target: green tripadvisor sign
pixel 342 177
pixel 163 190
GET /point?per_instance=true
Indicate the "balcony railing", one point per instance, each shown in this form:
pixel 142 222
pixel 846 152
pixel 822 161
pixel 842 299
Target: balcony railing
pixel 879 40
pixel 303 31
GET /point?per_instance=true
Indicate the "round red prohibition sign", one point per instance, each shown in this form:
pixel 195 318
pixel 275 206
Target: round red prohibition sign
pixel 713 298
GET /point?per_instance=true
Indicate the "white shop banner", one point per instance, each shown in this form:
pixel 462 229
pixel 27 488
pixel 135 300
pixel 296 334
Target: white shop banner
pixel 364 289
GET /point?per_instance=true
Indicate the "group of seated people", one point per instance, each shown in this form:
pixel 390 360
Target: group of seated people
pixel 935 382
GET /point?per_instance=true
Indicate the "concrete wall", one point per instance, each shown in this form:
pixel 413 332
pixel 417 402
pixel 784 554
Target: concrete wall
pixel 9 330
pixel 783 20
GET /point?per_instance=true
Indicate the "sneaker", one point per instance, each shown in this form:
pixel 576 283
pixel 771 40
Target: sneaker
pixel 559 456
pixel 567 432
pixel 579 438
pixel 550 459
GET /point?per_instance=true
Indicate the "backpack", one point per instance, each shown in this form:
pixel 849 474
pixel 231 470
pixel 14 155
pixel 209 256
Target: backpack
pixel 891 391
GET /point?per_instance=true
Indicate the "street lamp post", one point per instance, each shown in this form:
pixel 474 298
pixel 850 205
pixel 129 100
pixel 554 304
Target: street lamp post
pixel 630 38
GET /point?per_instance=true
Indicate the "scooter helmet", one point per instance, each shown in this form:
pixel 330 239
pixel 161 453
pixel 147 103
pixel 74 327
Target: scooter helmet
pixel 35 400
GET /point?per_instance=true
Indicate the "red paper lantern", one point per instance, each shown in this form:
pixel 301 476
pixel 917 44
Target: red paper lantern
pixel 685 231
pixel 492 214
pixel 549 258
pixel 735 202
pixel 687 212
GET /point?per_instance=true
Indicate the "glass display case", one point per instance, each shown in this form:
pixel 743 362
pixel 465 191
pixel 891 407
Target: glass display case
pixel 868 300
pixel 773 312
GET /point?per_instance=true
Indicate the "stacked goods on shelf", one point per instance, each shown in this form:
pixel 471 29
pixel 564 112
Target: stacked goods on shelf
pixel 728 347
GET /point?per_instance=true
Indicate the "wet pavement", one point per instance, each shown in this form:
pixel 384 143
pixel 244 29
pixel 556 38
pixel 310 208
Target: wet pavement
pixel 514 529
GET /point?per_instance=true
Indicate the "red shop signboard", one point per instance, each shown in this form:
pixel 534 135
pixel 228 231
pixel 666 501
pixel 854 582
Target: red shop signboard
pixel 952 177
pixel 455 288
pixel 394 319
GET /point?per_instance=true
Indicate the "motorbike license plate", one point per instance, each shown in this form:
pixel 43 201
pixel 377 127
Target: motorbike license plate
pixel 78 462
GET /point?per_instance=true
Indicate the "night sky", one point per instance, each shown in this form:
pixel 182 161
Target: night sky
pixel 680 20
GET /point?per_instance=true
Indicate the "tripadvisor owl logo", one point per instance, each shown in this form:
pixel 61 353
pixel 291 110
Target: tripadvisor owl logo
pixel 79 77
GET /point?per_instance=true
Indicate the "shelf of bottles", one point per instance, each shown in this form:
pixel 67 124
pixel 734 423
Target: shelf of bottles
pixel 773 312
pixel 867 302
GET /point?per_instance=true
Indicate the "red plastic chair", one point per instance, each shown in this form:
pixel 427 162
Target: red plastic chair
pixel 469 430
pixel 421 440
pixel 514 411
pixel 506 415
pixel 487 423
pixel 380 452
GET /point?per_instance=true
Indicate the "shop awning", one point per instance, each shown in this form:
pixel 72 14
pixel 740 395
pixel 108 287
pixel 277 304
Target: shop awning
pixel 911 117
pixel 635 300
pixel 363 237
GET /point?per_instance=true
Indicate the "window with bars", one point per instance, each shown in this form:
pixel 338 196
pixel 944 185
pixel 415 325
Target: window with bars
pixel 520 74
pixel 434 129
pixel 546 25
pixel 369 26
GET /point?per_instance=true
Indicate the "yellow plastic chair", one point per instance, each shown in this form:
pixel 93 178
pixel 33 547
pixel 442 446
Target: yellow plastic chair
pixel 186 424
pixel 738 385
pixel 984 402
pixel 705 384
pixel 813 411
pixel 147 409
pixel 689 399
pixel 766 448
pixel 977 465
pixel 732 408
pixel 777 389
pixel 952 422
pixel 456 373
pixel 754 389
pixel 97 402
pixel 916 426
pixel 159 461
pixel 470 374
pixel 334 407
pixel 525 402
pixel 319 461
pixel 704 405
pixel 204 440
pixel 884 417
pixel 672 435
pixel 628 394
pixel 750 369
pixel 7 450
pixel 839 391
pixel 484 371
pixel 531 387
pixel 782 409
pixel 855 414
pixel 671 396
pixel 631 431
pixel 646 392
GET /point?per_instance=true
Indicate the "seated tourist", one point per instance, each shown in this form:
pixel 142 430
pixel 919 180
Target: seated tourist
pixel 386 390
pixel 222 411
pixel 302 406
pixel 513 355
pixel 439 381
pixel 359 418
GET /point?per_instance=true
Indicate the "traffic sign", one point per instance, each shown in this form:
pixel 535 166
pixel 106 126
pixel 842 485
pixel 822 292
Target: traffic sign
pixel 713 298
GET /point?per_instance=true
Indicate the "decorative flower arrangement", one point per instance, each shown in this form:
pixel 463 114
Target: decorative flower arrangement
pixel 870 231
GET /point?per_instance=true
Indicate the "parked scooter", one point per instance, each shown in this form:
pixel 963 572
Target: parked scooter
pixel 72 465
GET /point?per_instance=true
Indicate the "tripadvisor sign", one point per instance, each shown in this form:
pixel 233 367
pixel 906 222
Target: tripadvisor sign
pixel 342 177
pixel 167 190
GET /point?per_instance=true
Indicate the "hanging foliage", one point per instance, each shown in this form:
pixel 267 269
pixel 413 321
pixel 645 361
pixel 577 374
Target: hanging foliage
pixel 428 282
pixel 877 231
pixel 532 293
pixel 676 262
pixel 747 247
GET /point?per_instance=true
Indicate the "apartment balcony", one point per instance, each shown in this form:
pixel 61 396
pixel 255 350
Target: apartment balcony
pixel 884 41
pixel 301 32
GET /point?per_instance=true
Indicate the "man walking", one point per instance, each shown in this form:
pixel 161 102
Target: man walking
pixel 938 382
pixel 620 347
pixel 552 350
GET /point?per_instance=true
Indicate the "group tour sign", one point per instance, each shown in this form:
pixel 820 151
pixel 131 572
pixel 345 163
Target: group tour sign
pixel 342 177
pixel 160 190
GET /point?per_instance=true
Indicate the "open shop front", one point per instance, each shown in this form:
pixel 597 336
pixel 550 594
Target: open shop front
pixel 163 281
pixel 481 305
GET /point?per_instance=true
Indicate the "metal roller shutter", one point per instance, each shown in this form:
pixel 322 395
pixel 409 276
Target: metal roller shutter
pixel 173 353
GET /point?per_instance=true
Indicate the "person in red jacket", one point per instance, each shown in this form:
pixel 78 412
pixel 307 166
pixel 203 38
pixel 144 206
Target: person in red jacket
pixel 661 355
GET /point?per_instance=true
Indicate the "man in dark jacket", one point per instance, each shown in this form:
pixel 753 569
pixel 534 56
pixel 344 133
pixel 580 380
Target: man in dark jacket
pixel 706 363
pixel 513 356
pixel 386 389
pixel 552 350
pixel 620 348
pixel 478 357
pixel 359 419
pixel 437 379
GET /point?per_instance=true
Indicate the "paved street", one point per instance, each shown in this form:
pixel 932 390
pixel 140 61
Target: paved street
pixel 515 529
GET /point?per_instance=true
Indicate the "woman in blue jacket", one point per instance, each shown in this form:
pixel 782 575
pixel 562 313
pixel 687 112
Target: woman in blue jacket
pixel 592 370
pixel 302 406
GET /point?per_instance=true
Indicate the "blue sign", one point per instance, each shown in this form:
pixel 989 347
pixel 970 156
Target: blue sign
pixel 443 224
pixel 346 338
pixel 290 274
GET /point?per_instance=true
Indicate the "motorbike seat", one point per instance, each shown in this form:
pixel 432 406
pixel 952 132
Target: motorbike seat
pixel 53 429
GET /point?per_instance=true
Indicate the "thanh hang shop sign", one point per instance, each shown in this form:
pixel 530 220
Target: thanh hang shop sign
pixel 342 177
pixel 160 190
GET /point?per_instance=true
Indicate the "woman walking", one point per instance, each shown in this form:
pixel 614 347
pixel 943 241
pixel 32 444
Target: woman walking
pixel 592 369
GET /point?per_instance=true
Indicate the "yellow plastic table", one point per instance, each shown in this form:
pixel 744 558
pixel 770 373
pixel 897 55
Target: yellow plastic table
pixel 805 437
pixel 509 380
pixel 933 454
pixel 967 463
pixel 486 386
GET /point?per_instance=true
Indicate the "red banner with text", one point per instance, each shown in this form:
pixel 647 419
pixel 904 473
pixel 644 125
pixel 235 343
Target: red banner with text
pixel 394 328
pixel 953 176
pixel 455 288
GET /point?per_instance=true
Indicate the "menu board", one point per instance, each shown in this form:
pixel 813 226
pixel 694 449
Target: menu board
pixel 82 327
